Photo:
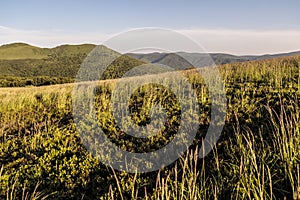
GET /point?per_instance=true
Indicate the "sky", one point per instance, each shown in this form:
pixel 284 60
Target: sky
pixel 237 27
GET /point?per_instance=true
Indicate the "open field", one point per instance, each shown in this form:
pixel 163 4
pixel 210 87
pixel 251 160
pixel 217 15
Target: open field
pixel 257 156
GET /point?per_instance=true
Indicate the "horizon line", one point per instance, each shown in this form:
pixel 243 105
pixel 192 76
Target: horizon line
pixel 79 44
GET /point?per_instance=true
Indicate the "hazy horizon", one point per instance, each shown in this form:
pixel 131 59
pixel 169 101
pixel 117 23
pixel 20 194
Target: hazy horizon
pixel 146 51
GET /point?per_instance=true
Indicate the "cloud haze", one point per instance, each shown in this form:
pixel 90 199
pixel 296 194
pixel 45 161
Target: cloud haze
pixel 246 41
pixel 233 41
pixel 49 38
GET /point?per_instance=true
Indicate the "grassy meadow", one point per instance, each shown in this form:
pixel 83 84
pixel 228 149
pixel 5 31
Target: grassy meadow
pixel 257 156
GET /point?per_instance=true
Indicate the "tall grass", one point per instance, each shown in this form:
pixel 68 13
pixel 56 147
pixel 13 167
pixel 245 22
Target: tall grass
pixel 257 156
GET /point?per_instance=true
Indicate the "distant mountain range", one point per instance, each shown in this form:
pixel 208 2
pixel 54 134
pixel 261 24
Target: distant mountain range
pixel 184 59
pixel 24 60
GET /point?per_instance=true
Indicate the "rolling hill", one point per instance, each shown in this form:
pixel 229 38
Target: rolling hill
pixel 23 64
pixel 18 51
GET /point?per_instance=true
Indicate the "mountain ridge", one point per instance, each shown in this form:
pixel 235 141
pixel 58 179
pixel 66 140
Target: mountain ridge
pixel 205 59
pixel 158 54
pixel 23 64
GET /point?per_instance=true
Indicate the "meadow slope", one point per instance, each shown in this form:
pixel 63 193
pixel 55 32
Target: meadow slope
pixel 257 156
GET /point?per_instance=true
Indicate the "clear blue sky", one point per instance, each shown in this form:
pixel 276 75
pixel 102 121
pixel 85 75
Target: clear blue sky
pixel 119 15
pixel 106 17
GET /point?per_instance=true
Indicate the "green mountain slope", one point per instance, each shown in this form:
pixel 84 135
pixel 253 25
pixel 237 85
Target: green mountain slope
pixel 28 61
pixel 22 64
pixel 22 51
